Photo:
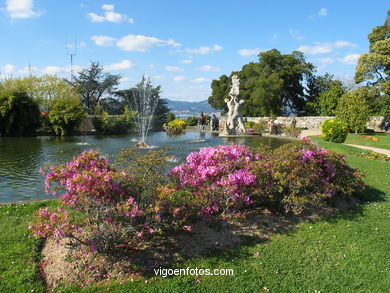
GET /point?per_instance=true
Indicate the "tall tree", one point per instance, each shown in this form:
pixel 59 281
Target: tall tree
pixel 323 94
pixel 273 85
pixel 93 84
pixel 354 108
pixel 374 67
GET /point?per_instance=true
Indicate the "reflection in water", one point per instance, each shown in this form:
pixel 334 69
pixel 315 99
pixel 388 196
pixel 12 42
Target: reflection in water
pixel 21 158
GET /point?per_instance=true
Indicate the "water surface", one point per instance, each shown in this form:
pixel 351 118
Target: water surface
pixel 22 157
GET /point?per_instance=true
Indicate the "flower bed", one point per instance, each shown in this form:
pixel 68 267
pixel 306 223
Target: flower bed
pixel 106 207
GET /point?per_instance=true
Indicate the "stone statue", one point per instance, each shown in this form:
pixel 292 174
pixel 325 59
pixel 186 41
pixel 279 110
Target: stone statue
pixel 234 123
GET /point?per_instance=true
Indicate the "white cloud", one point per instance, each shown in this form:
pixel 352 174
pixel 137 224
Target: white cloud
pixel 174 68
pixel 325 48
pixel 103 40
pixel 179 78
pixel 326 60
pixel 158 77
pixel 208 68
pixel 203 50
pixel 8 68
pixel 109 15
pixel 186 61
pixel 295 34
pixel 249 52
pixel 173 43
pixel 142 43
pixel 323 12
pixel 344 44
pixel 217 48
pixel 200 80
pixel 52 70
pixel 315 50
pixel 125 79
pixel 350 59
pixel 108 7
pixel 28 70
pixel 123 65
pixel 22 9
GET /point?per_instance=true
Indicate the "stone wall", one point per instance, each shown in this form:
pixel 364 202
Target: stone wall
pixel 86 125
pixel 308 122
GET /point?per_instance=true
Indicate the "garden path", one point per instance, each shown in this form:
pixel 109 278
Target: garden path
pixel 378 150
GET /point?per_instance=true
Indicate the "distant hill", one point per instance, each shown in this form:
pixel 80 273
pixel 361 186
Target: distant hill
pixel 185 109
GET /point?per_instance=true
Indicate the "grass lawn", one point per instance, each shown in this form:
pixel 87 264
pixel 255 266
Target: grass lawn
pixel 347 253
pixel 383 143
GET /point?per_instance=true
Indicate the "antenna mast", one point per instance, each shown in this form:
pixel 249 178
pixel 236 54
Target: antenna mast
pixel 72 52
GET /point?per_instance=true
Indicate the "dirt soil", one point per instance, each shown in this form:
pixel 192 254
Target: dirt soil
pixel 64 262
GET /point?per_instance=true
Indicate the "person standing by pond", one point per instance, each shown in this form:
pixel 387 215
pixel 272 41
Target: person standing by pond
pixel 214 123
pixel 201 121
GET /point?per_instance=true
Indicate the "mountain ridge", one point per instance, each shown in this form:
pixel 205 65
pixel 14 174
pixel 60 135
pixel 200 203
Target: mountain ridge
pixel 184 108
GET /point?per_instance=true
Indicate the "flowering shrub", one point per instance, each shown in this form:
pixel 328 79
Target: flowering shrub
pixel 334 131
pixel 219 177
pixel 296 175
pixel 371 156
pixel 176 126
pixel 109 214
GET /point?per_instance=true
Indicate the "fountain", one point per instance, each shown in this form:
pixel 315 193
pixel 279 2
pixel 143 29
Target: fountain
pixel 143 102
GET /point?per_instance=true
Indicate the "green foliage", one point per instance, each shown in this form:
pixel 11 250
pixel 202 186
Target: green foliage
pixel 327 100
pixel 374 67
pixel 121 124
pixel 249 124
pixel 19 114
pixel 354 109
pixel 176 126
pixel 334 131
pixel 41 88
pixel 268 86
pixel 302 176
pixel 147 170
pixel 192 121
pixel 170 117
pixel 100 119
pixel 260 126
pixel 292 131
pixel 65 114
pixel 93 84
pixel 135 97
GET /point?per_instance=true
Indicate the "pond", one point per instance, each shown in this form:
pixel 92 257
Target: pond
pixel 22 157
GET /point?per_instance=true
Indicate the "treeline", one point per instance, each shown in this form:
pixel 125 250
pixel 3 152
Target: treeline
pixel 286 84
pixel 59 105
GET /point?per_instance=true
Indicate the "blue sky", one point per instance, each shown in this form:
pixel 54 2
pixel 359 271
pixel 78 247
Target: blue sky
pixel 181 45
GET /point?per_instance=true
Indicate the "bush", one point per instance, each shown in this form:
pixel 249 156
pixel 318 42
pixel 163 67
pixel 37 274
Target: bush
pixel 192 121
pixel 249 124
pixel 354 109
pixel 19 114
pixel 176 126
pixel 219 178
pixel 99 208
pixel 170 117
pixel 65 114
pixel 100 119
pixel 297 175
pixel 334 131
pixel 260 127
pixel 107 207
pixel 292 131
pixel 115 124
